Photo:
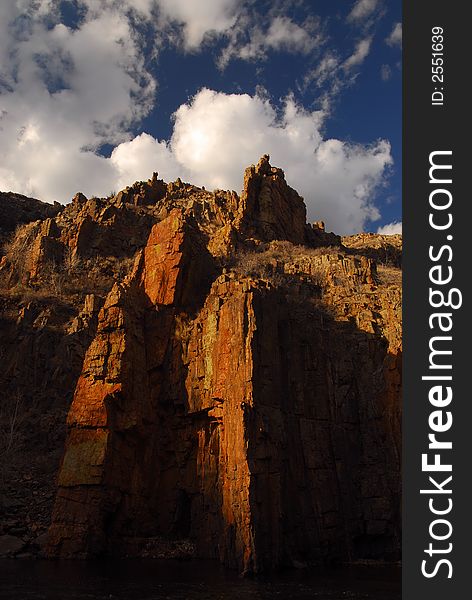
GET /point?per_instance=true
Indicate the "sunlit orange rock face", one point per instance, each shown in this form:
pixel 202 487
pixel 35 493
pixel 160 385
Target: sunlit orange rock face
pixel 257 417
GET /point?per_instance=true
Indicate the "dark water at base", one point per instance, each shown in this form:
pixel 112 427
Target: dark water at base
pixel 163 580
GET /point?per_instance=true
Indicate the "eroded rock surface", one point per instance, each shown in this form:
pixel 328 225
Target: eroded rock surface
pixel 238 388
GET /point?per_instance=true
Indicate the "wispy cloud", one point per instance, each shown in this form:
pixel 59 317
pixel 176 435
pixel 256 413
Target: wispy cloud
pixel 251 41
pixel 333 74
pixel 359 55
pixel 385 72
pixel 362 10
pixel 395 37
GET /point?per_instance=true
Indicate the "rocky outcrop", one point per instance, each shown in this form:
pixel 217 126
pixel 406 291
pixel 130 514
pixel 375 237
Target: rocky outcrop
pixel 272 210
pixel 385 249
pixel 245 413
pixel 16 210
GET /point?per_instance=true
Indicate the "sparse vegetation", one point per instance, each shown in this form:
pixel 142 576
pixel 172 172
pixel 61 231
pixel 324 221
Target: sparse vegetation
pixel 389 275
pixel 67 277
pixel 11 417
pixel 17 249
pixel 272 261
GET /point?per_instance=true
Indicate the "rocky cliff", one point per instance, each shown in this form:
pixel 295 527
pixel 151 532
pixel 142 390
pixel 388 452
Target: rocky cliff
pixel 221 378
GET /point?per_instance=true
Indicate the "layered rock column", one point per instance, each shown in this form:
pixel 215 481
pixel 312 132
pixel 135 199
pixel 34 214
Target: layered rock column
pixel 145 439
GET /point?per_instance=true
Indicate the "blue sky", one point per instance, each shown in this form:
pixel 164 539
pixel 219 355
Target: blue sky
pixel 94 95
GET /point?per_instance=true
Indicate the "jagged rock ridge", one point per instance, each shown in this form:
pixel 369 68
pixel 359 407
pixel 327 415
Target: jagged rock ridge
pixel 239 388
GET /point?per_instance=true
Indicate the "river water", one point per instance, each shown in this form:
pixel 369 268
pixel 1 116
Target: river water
pixel 174 580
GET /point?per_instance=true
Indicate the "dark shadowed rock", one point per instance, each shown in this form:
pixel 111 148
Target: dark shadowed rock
pixel 16 210
pixel 10 545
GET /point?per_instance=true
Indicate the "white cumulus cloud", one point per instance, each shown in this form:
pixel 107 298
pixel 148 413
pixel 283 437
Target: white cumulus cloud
pixel 139 158
pixel 64 92
pixel 216 135
pixel 391 228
